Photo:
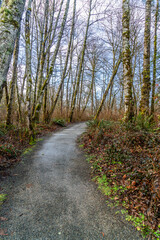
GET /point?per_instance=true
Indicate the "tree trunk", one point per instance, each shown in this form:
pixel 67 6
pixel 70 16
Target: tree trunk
pixel 6 93
pixel 40 99
pixel 91 88
pixel 80 67
pixel 127 72
pixel 28 72
pixel 10 19
pixel 66 61
pixel 108 87
pixel 80 93
pixel 43 55
pixel 19 105
pixel 13 81
pixel 154 58
pixel 146 85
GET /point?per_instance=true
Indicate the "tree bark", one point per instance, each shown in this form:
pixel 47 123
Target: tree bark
pixel 28 72
pixel 13 81
pixel 146 85
pixel 91 88
pixel 81 64
pixel 66 61
pixel 108 87
pixel 40 99
pixel 10 19
pixel 154 58
pixel 127 72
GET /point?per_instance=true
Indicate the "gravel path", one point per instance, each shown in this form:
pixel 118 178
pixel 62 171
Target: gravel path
pixel 51 196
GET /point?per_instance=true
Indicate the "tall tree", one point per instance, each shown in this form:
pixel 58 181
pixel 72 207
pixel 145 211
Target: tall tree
pixel 115 69
pixel 10 19
pixel 13 80
pixel 81 64
pixel 28 70
pixel 154 57
pixel 127 72
pixel 51 69
pixel 146 85
pixel 66 61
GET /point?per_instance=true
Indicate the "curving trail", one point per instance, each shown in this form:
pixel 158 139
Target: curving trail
pixel 51 196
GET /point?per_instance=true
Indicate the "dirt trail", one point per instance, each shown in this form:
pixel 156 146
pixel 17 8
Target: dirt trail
pixel 51 196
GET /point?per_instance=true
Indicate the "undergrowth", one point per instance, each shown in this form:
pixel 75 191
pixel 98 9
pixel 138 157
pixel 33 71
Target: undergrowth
pixel 14 140
pixel 59 121
pixel 125 162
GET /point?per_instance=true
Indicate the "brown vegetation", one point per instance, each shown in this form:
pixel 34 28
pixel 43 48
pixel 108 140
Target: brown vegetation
pixel 128 158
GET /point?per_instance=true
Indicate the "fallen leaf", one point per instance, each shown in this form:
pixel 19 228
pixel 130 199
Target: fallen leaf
pixel 3 219
pixel 116 198
pixel 133 183
pixel 2 233
pixel 124 177
pixel 29 185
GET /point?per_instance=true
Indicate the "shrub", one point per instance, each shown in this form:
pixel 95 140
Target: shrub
pixel 59 121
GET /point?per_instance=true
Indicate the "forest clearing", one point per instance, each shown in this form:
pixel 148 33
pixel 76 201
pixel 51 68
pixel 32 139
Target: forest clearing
pixel 64 62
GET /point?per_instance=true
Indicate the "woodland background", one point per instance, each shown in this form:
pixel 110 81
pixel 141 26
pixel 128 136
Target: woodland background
pixel 64 61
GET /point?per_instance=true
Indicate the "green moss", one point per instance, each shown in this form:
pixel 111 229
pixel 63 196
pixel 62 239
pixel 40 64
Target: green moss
pixel 103 185
pixel 5 11
pixel 32 143
pixel 6 31
pixel 2 198
pixel 7 14
pixel 39 140
pixel 28 150
pixel 81 146
pixel 10 20
pixel 13 3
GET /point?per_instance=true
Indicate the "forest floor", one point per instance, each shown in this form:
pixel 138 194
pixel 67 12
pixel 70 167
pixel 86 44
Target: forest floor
pixel 125 163
pixel 15 141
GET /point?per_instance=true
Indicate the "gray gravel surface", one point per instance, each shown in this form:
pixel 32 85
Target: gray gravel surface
pixel 51 196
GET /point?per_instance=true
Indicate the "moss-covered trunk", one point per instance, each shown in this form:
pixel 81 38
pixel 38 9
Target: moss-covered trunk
pixel 29 72
pixel 10 19
pixel 146 85
pixel 154 58
pixel 127 72
pixel 13 81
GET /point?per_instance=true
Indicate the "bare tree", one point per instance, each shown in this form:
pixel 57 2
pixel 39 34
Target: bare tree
pixel 49 75
pixel 66 61
pixel 81 64
pixel 109 85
